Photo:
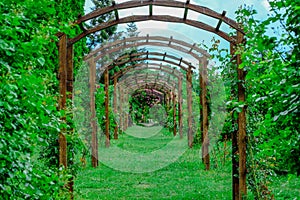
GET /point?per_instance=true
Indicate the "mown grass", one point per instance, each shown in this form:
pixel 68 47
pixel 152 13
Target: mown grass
pixel 182 179
pixel 185 178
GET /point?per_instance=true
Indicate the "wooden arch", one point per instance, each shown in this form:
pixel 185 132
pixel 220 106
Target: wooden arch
pixel 161 57
pixel 188 68
pixel 160 41
pixel 166 69
pixel 66 67
pixel 150 66
pixel 166 18
pixel 149 78
pixel 134 82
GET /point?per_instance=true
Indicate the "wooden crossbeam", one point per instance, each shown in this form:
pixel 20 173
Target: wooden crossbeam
pixel 180 61
pixel 186 10
pixel 220 21
pixel 164 56
pixel 170 41
pixel 192 47
pixel 150 10
pixel 115 10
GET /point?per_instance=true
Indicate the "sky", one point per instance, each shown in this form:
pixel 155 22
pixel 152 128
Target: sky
pixel 183 31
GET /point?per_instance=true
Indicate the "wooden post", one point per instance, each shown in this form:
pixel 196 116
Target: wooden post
pixel 120 110
pixel 242 138
pixel 62 73
pixel 70 98
pixel 115 107
pixel 180 102
pixel 70 72
pixel 92 82
pixel 205 144
pixel 201 109
pixel 189 104
pixel 106 81
pixel 126 113
pixel 234 146
pixel 174 114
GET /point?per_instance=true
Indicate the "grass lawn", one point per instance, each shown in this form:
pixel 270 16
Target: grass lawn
pixel 183 178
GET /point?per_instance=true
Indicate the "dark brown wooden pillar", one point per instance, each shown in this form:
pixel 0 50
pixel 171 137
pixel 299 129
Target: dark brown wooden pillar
pixel 180 102
pixel 120 110
pixel 126 113
pixel 234 147
pixel 204 112
pixel 62 74
pixel 174 114
pixel 242 138
pixel 106 81
pixel 93 122
pixel 70 98
pixel 115 107
pixel 189 104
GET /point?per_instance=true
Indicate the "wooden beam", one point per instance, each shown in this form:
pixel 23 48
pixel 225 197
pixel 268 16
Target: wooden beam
pixel 174 114
pixel 186 10
pixel 242 137
pixel 62 74
pixel 116 43
pixel 192 48
pixel 162 18
pixel 205 136
pixel 137 57
pixel 189 89
pixel 220 21
pixel 234 146
pixel 126 114
pixel 152 66
pixel 176 4
pixel 150 10
pixel 70 77
pixel 115 107
pixel 93 122
pixel 115 10
pixel 106 82
pixel 180 103
pixel 70 100
pixel 120 109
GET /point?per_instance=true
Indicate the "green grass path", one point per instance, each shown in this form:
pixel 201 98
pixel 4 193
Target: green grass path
pixel 182 179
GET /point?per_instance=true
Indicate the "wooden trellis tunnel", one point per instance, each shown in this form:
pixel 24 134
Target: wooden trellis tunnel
pixel 66 71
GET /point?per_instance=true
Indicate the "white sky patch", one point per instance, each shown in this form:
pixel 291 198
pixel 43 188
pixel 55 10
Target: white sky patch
pixel 266 4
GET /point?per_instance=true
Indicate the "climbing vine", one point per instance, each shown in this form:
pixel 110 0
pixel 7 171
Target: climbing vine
pixel 28 97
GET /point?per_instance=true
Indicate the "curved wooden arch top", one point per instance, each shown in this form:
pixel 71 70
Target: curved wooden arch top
pixel 166 3
pixel 151 66
pixel 147 78
pixel 165 88
pixel 135 57
pixel 149 40
pixel 157 92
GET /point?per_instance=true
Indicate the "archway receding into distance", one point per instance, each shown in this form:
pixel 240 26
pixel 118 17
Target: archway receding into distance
pixel 66 69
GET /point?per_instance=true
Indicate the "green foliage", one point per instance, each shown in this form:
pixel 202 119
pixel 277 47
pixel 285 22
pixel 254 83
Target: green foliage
pixel 272 63
pixel 273 85
pixel 28 97
pixel 100 36
pixel 100 109
pixel 141 103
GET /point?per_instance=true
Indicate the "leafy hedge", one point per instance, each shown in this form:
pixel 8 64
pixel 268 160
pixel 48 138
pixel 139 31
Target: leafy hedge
pixel 28 95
